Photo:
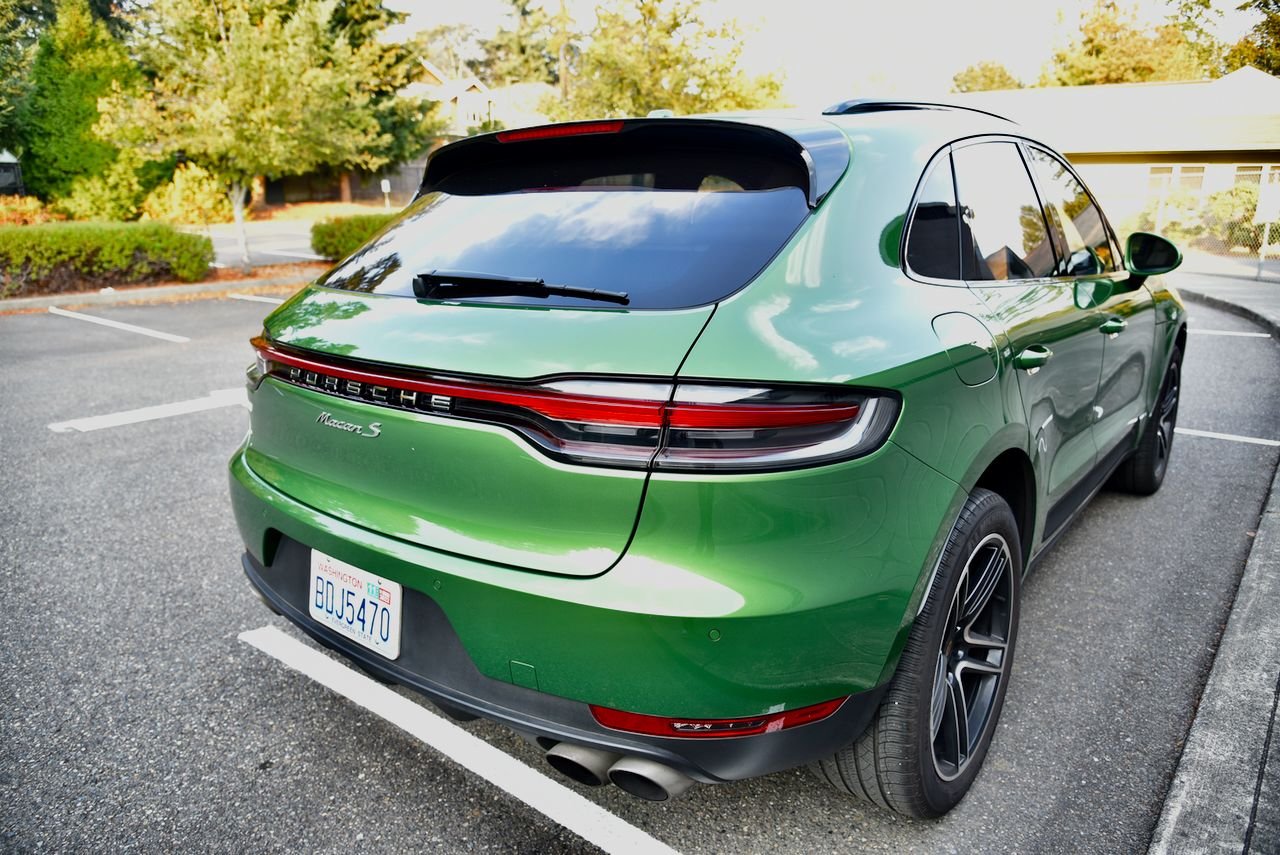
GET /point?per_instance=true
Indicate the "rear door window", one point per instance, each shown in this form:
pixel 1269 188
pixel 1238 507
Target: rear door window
pixel 1075 217
pixel 1003 235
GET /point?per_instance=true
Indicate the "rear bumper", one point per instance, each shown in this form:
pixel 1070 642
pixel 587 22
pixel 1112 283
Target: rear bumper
pixel 718 610
pixel 434 663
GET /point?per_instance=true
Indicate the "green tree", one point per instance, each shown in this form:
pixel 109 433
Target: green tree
pixel 1111 48
pixel 522 53
pixel 15 58
pixel 77 61
pixel 247 88
pixel 660 54
pixel 983 77
pixel 406 125
pixel 453 48
pixel 1261 48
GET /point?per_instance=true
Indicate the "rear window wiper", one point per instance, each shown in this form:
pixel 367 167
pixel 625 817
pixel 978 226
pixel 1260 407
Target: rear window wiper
pixel 460 284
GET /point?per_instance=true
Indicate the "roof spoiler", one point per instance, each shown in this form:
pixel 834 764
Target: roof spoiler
pixel 822 148
pixel 879 105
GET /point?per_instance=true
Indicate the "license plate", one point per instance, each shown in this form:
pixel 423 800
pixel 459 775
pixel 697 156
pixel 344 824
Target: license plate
pixel 356 603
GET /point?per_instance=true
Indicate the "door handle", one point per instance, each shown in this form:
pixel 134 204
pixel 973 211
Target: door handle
pixel 1033 358
pixel 1113 326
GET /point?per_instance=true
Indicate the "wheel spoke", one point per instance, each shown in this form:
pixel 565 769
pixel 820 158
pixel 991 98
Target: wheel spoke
pixel 973 663
pixel 937 704
pixel 982 640
pixel 981 591
pixel 960 713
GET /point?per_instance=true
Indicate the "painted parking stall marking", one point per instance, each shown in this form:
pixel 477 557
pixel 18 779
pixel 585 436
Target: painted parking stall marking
pixel 212 401
pixel 580 815
pixel 256 298
pixel 93 319
pixel 1231 333
pixel 1230 437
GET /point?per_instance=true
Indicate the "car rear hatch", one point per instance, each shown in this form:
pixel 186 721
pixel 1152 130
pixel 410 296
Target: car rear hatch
pixel 487 376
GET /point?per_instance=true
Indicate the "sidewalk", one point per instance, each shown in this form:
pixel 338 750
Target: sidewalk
pixel 1225 795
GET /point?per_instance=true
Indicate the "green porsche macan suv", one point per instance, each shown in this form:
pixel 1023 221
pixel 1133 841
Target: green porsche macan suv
pixel 697 449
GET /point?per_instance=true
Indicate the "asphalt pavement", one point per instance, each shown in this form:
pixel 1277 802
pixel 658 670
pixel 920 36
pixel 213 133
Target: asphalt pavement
pixel 132 717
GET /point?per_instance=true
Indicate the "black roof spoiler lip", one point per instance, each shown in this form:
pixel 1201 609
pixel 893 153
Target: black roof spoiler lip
pixel 855 106
pixel 822 146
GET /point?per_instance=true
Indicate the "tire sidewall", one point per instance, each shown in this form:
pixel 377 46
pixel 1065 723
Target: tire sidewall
pixel 993 517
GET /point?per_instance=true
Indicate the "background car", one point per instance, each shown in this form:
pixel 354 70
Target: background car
pixel 696 449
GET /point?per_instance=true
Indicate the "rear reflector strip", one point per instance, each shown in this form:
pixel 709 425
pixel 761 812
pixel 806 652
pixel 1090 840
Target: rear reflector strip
pixel 703 728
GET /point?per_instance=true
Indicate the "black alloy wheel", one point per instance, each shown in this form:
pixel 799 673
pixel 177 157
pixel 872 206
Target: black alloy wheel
pixel 972 661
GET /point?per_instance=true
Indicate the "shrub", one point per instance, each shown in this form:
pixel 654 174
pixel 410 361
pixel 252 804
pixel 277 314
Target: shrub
pixel 338 237
pixel 193 197
pixel 56 257
pixel 24 211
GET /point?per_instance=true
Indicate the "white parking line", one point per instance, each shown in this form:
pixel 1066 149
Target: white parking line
pixel 582 816
pixel 254 298
pixel 179 339
pixel 213 401
pixel 307 255
pixel 1230 333
pixel 1231 437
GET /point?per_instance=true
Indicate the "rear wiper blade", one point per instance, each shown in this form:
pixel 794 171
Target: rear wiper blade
pixel 455 284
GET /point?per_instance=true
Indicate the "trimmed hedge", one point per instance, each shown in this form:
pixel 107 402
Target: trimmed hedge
pixel 338 237
pixel 57 257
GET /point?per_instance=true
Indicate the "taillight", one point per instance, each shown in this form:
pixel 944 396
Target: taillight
pixel 702 728
pixel 631 424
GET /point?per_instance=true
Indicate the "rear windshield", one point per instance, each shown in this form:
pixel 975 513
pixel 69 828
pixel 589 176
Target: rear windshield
pixel 671 229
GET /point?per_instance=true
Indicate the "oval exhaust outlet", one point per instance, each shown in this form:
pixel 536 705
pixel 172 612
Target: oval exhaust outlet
pixel 646 779
pixel 589 766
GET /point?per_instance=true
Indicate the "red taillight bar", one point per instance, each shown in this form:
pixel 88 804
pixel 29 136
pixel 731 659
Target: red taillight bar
pixel 704 728
pixel 555 131
pixel 748 416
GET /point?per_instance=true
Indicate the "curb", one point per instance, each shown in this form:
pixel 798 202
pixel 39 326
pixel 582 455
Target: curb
pixel 133 295
pixel 1225 794
pixel 1271 325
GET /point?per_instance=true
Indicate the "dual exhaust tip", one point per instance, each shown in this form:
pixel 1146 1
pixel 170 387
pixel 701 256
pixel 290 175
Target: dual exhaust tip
pixel 642 778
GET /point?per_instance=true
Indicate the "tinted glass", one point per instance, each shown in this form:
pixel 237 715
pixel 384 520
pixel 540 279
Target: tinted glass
pixel 1075 217
pixel 1003 233
pixel 664 248
pixel 933 240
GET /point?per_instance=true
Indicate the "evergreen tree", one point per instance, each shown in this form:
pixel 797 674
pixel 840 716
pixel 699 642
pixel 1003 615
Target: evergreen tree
pixel 523 53
pixel 1261 48
pixel 77 61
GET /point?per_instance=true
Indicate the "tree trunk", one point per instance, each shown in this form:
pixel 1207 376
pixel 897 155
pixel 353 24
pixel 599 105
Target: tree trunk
pixel 237 194
pixel 344 187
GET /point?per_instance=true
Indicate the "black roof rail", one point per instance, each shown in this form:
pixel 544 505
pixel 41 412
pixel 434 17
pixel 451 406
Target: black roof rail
pixel 877 105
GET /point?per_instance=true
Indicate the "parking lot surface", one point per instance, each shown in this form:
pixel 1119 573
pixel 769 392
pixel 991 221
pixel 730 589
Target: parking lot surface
pixel 131 716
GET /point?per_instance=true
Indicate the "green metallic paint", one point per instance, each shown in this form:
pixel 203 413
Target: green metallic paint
pixel 455 486
pixel 488 340
pixel 769 594
pixel 738 594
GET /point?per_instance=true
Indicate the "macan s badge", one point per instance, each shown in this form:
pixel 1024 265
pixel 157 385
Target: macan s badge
pixel 371 430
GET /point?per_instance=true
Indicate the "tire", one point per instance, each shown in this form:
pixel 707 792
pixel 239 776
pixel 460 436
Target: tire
pixel 1143 473
pixel 913 758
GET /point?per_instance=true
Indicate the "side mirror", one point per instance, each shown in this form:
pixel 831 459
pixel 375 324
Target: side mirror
pixel 1150 255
